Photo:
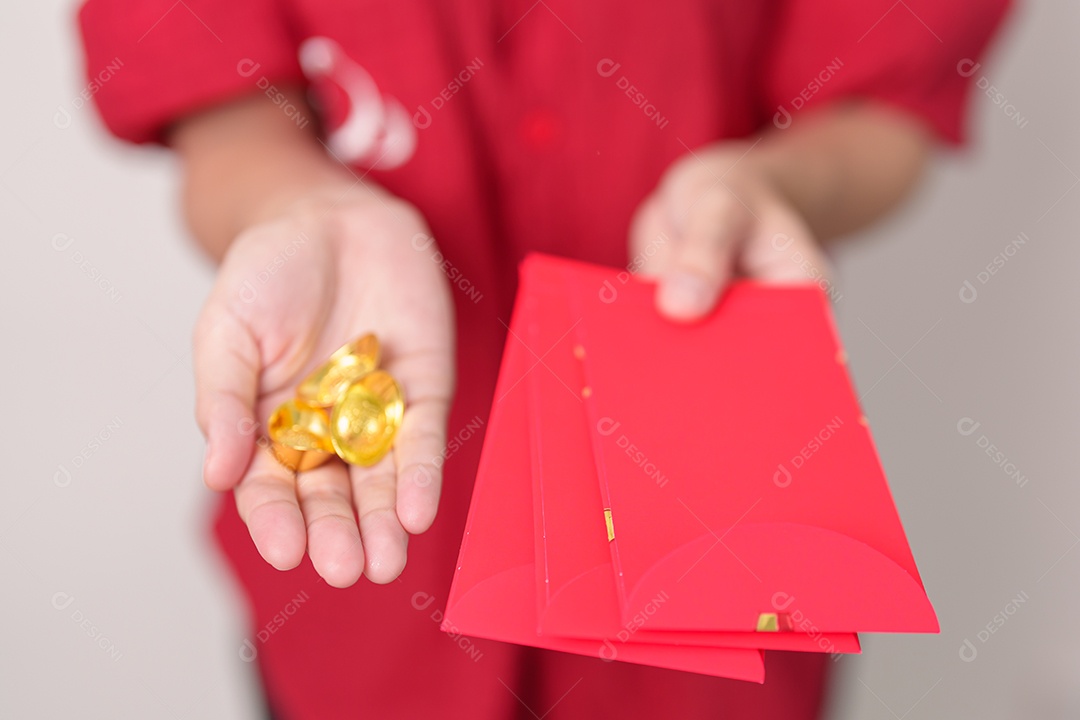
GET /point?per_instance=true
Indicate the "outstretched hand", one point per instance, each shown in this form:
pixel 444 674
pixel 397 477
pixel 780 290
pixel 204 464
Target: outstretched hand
pixel 343 262
pixel 716 214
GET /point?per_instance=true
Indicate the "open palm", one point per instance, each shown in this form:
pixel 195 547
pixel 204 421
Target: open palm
pixel 289 293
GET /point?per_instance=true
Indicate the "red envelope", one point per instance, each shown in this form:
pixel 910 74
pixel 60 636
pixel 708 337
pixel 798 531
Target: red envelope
pixel 494 591
pixel 740 473
pixel 576 590
pixel 677 495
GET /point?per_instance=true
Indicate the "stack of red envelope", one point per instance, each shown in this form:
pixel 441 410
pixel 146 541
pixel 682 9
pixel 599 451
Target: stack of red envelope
pixel 684 496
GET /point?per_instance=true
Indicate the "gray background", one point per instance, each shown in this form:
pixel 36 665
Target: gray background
pixel 115 605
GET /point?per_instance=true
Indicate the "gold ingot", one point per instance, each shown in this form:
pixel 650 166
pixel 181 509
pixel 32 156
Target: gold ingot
pixel 300 435
pixel 365 420
pixel 326 383
pixel 298 460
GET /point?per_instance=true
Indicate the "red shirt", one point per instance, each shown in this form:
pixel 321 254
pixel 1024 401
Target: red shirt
pixel 513 126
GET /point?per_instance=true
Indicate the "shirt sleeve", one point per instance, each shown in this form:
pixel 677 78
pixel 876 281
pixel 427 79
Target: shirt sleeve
pixel 167 59
pixel 920 56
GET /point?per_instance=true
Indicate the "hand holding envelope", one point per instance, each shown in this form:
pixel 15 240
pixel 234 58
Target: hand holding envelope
pixel 679 496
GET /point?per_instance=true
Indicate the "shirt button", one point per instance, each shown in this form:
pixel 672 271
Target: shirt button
pixel 540 128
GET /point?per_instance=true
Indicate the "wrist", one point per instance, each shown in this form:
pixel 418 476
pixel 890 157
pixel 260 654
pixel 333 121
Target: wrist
pixel 317 191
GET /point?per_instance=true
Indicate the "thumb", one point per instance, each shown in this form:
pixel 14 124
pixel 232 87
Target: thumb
pixel 226 359
pixel 703 258
pixel 650 239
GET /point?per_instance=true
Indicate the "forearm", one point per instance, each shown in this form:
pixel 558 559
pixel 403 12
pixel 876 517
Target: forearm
pixel 243 162
pixel 844 167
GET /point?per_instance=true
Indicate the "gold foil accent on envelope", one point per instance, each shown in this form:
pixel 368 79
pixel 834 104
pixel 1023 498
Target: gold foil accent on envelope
pixel 767 622
pixel 774 622
pixel 610 524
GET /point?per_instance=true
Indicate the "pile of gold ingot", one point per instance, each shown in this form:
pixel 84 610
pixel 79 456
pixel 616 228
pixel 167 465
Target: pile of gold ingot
pixel 346 407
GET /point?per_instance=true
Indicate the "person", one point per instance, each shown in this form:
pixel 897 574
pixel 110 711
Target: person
pixel 383 167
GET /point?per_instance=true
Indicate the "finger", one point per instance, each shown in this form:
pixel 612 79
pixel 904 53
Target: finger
pixel 418 455
pixel 226 361
pixel 385 541
pixel 266 502
pixel 427 383
pixel 784 253
pixel 650 238
pixel 782 249
pixel 785 259
pixel 333 540
pixel 703 259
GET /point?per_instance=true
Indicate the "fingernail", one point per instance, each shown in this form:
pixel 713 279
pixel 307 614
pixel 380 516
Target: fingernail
pixel 685 295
